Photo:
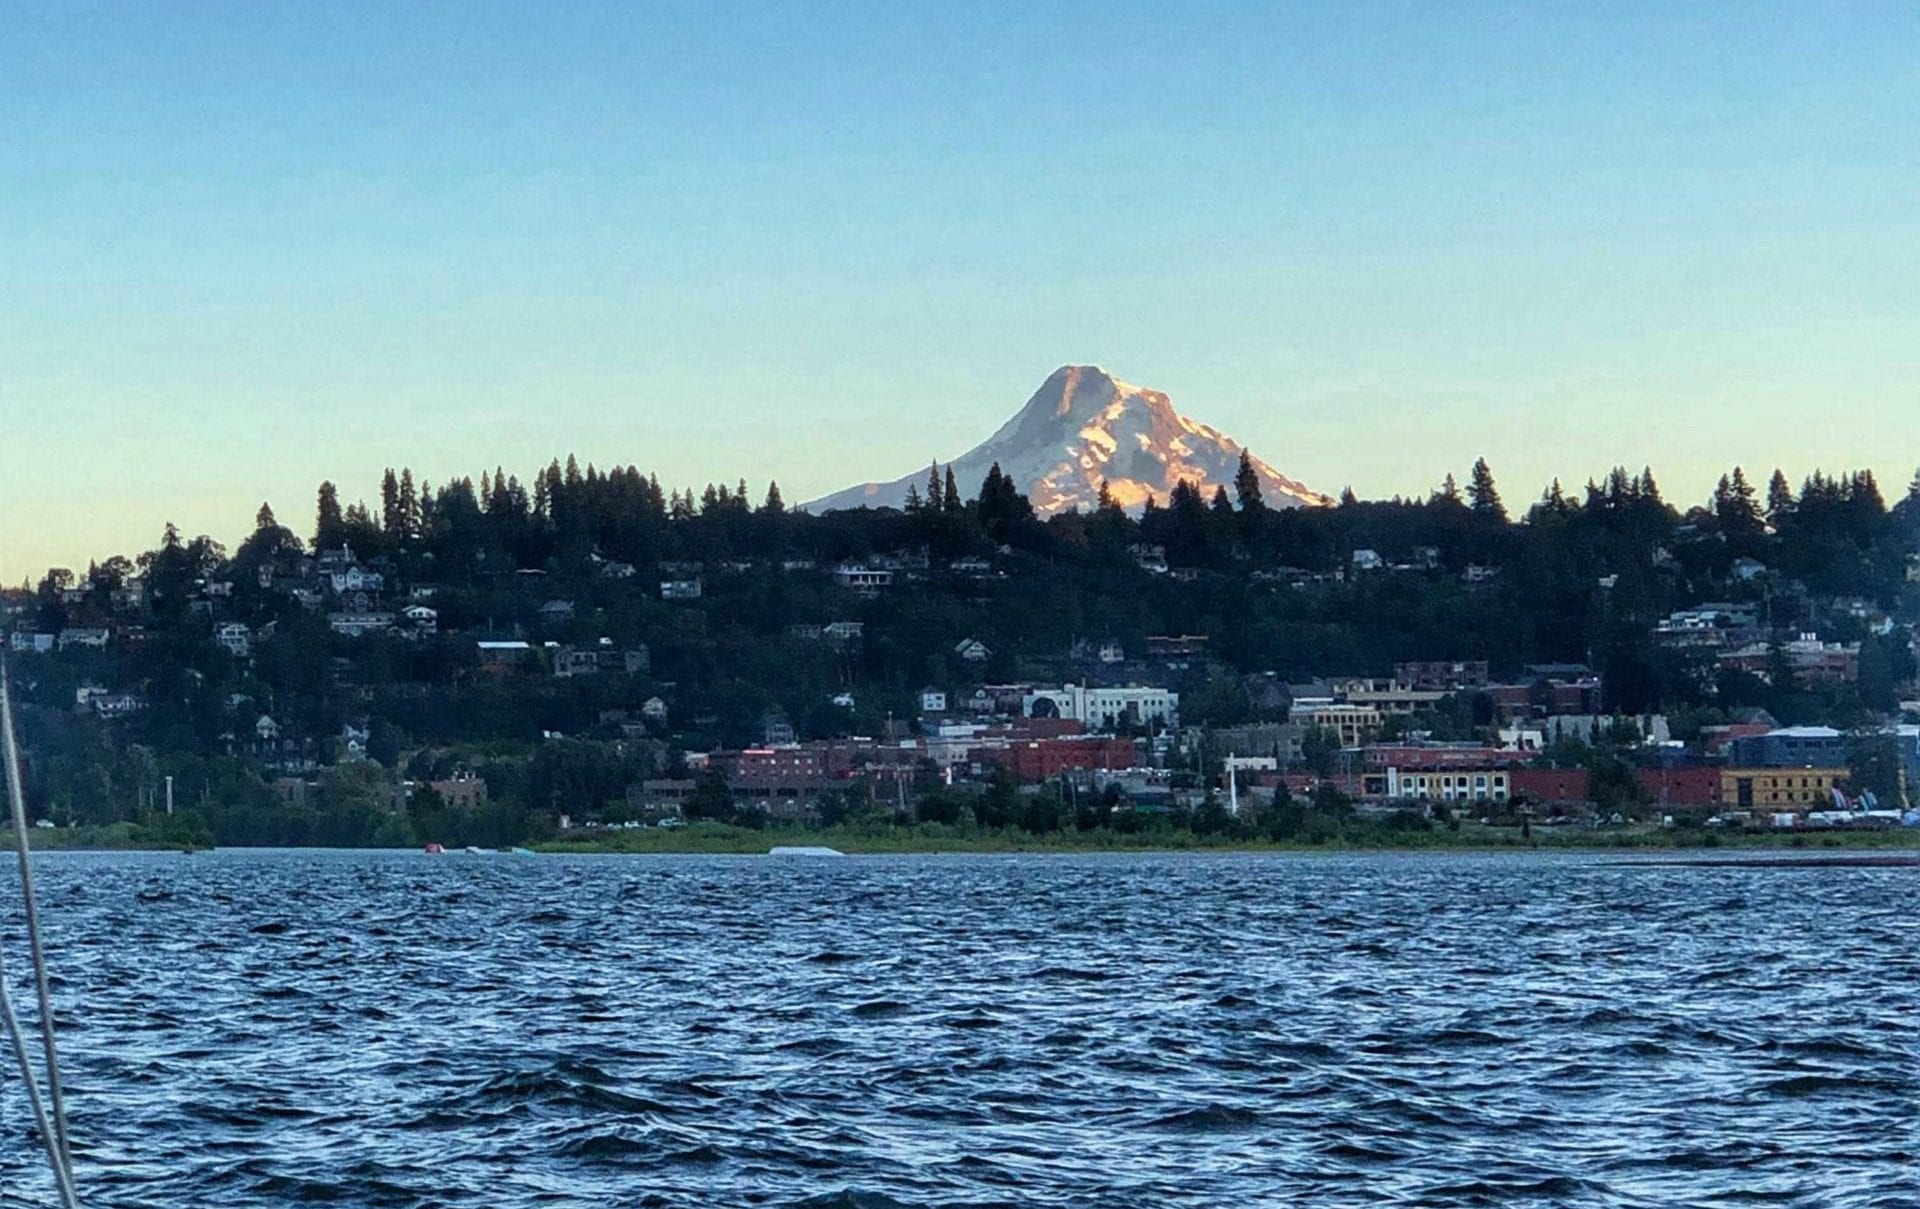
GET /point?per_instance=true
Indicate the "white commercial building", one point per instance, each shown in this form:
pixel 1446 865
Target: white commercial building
pixel 1105 707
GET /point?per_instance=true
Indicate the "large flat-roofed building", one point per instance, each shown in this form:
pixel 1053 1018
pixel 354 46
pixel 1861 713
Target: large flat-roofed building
pixel 1355 724
pixel 1105 707
pixel 1777 789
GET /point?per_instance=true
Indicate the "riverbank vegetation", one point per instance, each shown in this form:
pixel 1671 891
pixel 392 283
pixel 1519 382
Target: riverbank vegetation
pixel 718 838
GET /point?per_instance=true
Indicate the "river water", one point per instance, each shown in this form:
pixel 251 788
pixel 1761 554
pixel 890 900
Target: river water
pixel 252 1029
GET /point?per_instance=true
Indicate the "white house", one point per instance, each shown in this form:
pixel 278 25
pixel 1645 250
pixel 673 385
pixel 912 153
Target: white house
pixel 236 637
pixel 933 701
pixel 359 625
pixel 972 650
pixel 680 589
pixel 863 579
pixel 356 579
pixel 423 619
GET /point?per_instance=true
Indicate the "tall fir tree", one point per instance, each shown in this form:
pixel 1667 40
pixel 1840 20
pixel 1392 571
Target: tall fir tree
pixel 409 506
pixel 390 502
pixel 1246 484
pixel 1779 498
pixel 329 522
pixel 1736 506
pixel 1482 496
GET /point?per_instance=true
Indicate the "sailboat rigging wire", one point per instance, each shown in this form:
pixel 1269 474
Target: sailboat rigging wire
pixel 61 1175
pixel 56 1137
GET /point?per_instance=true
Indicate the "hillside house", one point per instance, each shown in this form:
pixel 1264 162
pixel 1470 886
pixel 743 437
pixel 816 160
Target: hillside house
pixel 863 579
pixel 360 625
pixel 235 637
pixel 502 656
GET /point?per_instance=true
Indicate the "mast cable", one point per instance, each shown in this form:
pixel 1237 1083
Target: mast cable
pixel 54 1138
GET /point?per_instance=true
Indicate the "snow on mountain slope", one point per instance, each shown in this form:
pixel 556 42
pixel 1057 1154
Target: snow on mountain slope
pixel 1084 426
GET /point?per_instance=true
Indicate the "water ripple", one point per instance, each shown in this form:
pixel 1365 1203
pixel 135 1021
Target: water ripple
pixel 270 1029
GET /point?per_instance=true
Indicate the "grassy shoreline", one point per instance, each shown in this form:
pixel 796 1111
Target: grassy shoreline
pixel 717 839
pixel 114 837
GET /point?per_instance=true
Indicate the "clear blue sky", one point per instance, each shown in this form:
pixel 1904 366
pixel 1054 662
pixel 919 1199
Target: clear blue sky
pixel 244 247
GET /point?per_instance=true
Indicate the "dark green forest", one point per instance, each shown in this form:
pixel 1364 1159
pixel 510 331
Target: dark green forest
pixel 1580 576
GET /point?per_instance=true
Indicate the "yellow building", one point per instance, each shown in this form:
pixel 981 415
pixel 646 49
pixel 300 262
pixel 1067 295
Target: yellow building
pixel 1774 789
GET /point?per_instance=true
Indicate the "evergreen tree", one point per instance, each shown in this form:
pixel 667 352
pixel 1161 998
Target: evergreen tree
pixel 1864 493
pixel 390 503
pixel 1449 492
pixel 328 522
pixel 409 507
pixel 1221 504
pixel 1246 484
pixel 1735 505
pixel 913 499
pixel 1482 496
pixel 933 495
pixel 950 502
pixel 774 505
pixel 1779 498
pixel 1648 489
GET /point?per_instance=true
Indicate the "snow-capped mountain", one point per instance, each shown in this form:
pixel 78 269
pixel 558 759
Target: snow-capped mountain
pixel 1084 426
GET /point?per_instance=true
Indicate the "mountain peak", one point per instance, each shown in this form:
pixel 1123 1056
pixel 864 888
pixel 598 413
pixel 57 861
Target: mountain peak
pixel 1084 427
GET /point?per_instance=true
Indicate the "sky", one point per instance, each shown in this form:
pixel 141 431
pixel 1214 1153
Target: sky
pixel 246 247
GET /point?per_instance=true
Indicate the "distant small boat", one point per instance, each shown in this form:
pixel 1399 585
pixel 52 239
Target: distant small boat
pixel 521 851
pixel 474 850
pixel 434 850
pixel 802 850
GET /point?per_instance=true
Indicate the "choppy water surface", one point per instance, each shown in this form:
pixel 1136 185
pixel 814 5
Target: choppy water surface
pixel 395 1029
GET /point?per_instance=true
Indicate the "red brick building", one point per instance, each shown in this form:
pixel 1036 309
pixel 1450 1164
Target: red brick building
pixel 1042 759
pixel 1553 786
pixel 1680 786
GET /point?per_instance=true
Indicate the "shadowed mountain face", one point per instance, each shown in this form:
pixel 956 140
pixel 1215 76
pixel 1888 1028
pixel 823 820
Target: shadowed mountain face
pixel 1082 427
